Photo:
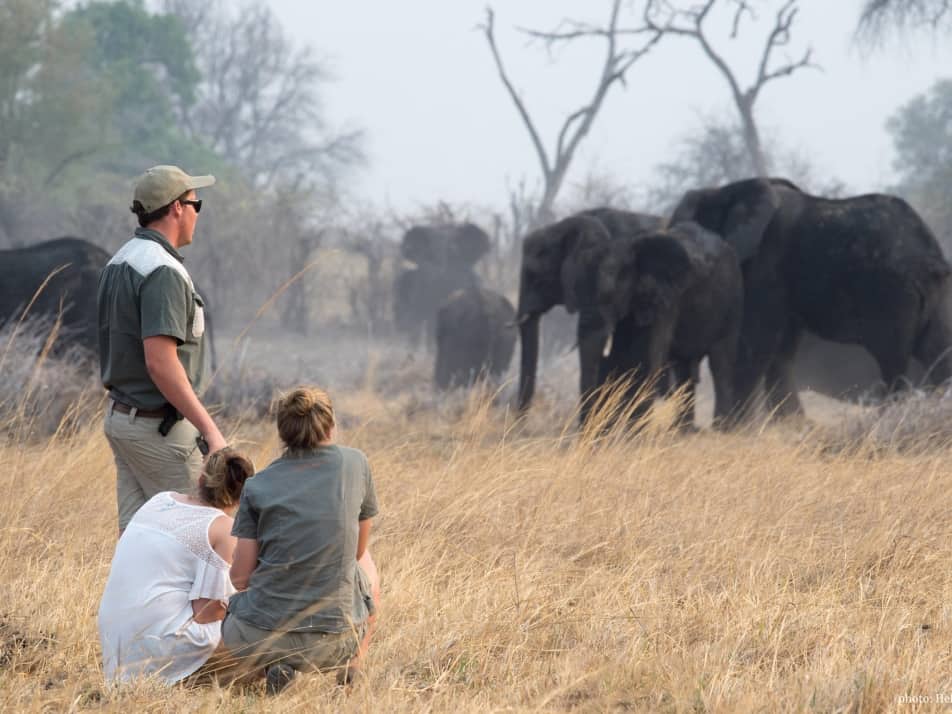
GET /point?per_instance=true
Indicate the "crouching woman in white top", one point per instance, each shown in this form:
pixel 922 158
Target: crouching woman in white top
pixel 168 586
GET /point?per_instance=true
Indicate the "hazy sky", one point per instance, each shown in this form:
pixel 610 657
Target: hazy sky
pixel 419 78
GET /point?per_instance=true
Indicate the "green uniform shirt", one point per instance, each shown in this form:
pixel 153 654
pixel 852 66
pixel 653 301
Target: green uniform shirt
pixel 145 291
pixel 303 511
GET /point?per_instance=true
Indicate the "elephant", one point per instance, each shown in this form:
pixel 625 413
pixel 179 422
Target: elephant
pixel 671 298
pixel 864 270
pixel 558 260
pixel 72 266
pixel 444 256
pixel 475 337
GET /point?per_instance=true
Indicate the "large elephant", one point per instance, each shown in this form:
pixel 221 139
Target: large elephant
pixel 672 298
pixel 559 263
pixel 864 270
pixel 444 257
pixel 475 337
pixel 72 266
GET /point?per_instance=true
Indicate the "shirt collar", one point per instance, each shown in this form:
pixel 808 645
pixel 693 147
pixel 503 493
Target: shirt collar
pixel 154 235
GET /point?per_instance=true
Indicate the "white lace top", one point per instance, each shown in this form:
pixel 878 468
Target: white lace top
pixel 163 561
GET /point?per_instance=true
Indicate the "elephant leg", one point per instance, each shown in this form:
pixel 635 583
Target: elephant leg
pixel 934 350
pixel 642 391
pixel 892 350
pixel 765 325
pixel 722 358
pixel 685 374
pixel 593 371
pixel 783 397
pixel 893 365
pixel 647 360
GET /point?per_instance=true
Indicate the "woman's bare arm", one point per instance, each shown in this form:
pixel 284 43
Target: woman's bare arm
pixel 221 539
pixel 206 610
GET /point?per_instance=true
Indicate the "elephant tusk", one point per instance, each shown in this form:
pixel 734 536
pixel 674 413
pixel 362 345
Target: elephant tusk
pixel 519 321
pixel 609 343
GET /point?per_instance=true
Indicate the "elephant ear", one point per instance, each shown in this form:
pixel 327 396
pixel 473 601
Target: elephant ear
pixel 664 270
pixel 469 243
pixel 750 206
pixel 583 240
pixel 423 244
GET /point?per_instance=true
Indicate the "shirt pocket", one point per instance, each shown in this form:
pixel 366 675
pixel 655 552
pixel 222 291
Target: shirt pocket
pixel 198 320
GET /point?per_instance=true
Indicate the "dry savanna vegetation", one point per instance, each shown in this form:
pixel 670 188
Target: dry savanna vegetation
pixel 525 566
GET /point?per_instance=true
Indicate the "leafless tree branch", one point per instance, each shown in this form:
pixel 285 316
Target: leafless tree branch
pixel 259 102
pixel 669 20
pixel 488 29
pixel 578 123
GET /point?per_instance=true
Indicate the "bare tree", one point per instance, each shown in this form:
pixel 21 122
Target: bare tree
pixel 664 18
pixel 618 60
pixel 259 104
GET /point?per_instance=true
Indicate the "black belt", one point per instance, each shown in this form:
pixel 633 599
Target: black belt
pixel 146 413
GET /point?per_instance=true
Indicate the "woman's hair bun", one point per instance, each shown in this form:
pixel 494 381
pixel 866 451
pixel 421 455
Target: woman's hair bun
pixel 305 417
pixel 224 477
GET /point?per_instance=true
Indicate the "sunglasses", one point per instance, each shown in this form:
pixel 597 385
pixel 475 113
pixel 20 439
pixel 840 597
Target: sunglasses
pixel 197 205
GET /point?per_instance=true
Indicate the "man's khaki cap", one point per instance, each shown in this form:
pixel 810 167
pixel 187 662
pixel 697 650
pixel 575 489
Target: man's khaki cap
pixel 161 185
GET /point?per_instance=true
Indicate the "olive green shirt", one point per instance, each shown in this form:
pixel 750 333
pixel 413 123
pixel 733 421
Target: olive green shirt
pixel 145 291
pixel 303 510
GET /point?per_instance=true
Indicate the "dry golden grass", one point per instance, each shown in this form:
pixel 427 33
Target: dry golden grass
pixel 531 569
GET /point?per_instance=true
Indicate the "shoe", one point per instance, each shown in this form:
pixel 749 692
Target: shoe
pixel 277 677
pixel 345 676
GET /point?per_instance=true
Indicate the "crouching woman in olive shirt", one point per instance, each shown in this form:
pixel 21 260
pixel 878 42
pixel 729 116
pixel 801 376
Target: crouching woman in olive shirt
pixel 308 586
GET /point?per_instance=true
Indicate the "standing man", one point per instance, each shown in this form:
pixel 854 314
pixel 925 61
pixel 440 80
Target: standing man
pixel 152 345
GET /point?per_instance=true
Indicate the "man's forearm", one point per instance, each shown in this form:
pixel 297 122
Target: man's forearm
pixel 363 537
pixel 169 376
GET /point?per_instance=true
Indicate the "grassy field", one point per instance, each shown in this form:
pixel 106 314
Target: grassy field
pixel 529 568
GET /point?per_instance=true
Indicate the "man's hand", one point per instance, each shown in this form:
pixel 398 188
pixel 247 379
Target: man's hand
pixel 168 374
pixel 215 442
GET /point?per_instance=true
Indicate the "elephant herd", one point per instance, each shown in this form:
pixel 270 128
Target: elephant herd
pixel 774 286
pixel 741 274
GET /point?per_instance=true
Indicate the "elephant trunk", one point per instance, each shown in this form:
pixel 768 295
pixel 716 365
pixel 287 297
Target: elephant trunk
pixel 529 339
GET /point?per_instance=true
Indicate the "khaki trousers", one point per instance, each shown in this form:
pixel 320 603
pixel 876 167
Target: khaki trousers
pixel 255 648
pixel 148 463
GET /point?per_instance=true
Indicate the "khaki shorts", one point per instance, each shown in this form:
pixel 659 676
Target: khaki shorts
pixel 148 463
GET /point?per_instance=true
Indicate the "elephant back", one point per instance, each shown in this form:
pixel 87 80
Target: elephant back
pixel 620 224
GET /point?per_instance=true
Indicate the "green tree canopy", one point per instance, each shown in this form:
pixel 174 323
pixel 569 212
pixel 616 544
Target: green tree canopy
pixel 922 137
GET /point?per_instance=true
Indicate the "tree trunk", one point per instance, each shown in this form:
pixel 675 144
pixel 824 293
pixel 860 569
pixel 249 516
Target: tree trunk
pixel 752 141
